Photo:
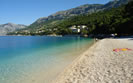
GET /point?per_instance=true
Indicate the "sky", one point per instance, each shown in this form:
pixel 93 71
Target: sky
pixel 28 11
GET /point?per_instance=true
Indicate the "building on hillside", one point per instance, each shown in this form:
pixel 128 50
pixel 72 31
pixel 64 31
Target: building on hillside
pixel 74 29
pixel 26 31
pixel 82 26
pixel 78 28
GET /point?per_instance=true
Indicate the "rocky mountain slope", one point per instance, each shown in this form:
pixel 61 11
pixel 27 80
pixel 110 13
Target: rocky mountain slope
pixel 112 21
pixel 84 9
pixel 45 24
pixel 10 27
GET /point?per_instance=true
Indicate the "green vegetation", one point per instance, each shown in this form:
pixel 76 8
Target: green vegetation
pixel 117 20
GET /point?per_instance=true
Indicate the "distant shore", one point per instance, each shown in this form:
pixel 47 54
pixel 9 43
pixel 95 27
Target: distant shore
pixel 101 64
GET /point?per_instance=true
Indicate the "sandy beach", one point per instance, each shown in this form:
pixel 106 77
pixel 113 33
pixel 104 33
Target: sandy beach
pixel 107 61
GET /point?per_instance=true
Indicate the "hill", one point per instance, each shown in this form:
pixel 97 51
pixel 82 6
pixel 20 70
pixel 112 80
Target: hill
pixel 117 20
pixel 10 27
pixel 57 23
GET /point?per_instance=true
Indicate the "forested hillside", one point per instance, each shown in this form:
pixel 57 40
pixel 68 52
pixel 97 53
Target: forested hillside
pixel 57 17
pixel 116 20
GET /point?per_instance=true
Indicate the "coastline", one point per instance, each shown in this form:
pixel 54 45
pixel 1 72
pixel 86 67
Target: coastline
pixel 40 59
pixel 74 62
pixel 99 64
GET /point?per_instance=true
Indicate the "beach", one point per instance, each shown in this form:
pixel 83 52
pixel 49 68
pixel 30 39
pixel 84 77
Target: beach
pixel 107 61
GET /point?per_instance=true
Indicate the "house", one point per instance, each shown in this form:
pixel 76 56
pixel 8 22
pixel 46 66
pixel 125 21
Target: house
pixel 26 31
pixel 55 29
pixel 74 29
pixel 41 31
pixel 78 28
pixel 82 26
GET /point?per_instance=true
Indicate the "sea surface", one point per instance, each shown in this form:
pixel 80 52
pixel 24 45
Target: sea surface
pixel 37 59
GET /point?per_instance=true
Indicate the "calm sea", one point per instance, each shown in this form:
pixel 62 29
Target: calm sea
pixel 37 59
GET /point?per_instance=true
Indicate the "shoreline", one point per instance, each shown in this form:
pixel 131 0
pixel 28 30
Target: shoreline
pixel 74 62
pixel 42 62
pixel 99 64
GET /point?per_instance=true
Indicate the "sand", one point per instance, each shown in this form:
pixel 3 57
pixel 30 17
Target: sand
pixel 100 64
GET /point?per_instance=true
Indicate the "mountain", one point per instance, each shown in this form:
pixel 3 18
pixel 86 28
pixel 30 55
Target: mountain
pixel 114 21
pixel 84 9
pixel 51 21
pixel 10 27
pixel 115 3
pixel 58 16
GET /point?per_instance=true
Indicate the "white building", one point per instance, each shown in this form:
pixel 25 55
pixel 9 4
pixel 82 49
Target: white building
pixel 82 26
pixel 74 29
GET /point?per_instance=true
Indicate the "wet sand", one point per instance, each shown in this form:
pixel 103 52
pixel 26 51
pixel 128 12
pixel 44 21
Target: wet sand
pixel 100 64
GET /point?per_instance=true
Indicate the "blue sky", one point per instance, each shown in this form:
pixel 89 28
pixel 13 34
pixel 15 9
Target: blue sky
pixel 28 11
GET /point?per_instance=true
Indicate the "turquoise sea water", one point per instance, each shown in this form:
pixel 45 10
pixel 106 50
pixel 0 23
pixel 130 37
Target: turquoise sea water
pixel 39 59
